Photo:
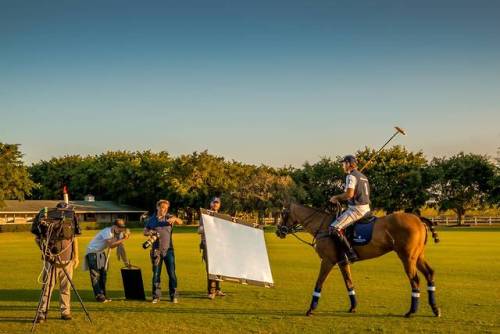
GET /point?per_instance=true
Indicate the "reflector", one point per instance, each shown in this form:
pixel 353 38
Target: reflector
pixel 235 251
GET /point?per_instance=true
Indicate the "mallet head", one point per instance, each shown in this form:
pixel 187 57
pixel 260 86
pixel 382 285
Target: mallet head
pixel 398 129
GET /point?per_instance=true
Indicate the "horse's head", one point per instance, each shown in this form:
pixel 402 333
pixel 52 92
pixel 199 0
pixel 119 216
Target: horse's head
pixel 287 224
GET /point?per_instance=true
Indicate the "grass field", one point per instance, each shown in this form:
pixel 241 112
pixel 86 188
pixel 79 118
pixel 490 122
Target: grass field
pixel 467 264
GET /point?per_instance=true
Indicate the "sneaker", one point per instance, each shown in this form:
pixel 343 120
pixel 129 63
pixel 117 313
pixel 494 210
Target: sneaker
pixel 66 316
pixel 107 300
pixel 174 300
pixel 100 298
pixel 220 293
pixel 155 300
pixel 211 296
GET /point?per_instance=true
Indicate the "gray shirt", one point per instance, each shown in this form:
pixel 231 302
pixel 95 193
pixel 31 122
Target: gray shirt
pixel 164 229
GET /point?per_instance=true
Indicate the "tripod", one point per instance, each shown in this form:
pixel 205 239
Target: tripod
pixel 51 266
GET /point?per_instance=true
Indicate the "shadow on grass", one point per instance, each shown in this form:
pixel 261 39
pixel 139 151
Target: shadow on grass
pixel 33 295
pixel 138 307
pixel 24 295
pixel 17 320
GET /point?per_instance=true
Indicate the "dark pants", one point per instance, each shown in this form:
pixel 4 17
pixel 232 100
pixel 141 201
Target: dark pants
pixel 157 260
pixel 212 285
pixel 97 276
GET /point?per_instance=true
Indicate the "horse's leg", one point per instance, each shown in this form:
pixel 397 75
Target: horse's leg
pixel 428 272
pixel 326 267
pixel 346 273
pixel 410 265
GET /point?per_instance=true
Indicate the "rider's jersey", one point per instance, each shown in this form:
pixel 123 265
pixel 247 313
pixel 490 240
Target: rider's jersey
pixel 361 199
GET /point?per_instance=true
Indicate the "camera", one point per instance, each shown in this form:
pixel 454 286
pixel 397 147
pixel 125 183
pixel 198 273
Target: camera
pixel 152 238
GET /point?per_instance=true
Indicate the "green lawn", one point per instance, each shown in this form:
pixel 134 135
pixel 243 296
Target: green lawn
pixel 467 265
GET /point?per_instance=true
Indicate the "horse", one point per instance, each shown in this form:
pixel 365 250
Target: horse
pixel 403 233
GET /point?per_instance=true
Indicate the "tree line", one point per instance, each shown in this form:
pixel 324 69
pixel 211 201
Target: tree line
pixel 400 180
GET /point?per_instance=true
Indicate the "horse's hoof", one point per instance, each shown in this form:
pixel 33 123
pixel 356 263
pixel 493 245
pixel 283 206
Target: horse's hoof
pixel 309 313
pixel 408 315
pixel 352 310
pixel 437 311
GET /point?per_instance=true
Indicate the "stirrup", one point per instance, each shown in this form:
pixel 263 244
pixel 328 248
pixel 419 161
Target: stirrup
pixel 353 257
pixel 344 259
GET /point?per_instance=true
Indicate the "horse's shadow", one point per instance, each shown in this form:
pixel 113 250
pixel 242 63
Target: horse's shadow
pixel 346 314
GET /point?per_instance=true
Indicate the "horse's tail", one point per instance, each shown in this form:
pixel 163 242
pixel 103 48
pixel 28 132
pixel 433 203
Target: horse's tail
pixel 430 224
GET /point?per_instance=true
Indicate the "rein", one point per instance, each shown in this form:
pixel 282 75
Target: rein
pixel 313 243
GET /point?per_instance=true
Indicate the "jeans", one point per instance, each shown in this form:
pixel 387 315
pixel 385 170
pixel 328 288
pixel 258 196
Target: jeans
pixel 97 276
pixel 157 260
pixel 212 285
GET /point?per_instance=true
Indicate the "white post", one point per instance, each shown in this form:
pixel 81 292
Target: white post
pixel 475 220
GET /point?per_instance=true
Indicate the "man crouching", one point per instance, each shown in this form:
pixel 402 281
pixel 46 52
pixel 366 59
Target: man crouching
pixel 97 256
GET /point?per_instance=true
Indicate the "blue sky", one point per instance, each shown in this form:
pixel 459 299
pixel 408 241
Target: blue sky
pixel 274 82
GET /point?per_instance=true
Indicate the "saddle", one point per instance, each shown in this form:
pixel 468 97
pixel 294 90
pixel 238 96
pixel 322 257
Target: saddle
pixel 360 233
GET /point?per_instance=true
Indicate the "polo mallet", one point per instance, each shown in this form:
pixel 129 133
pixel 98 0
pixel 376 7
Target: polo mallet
pixel 398 131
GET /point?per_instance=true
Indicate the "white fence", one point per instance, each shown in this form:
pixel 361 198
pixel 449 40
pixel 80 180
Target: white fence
pixel 468 220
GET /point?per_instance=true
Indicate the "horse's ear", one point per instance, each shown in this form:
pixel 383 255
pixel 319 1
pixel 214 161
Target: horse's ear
pixel 285 203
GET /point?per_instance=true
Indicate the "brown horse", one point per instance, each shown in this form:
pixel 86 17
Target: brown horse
pixel 404 233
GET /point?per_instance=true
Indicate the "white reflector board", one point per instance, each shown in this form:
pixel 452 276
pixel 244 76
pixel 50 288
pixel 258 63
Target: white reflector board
pixel 235 251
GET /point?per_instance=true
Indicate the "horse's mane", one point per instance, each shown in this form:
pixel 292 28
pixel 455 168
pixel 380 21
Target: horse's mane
pixel 319 211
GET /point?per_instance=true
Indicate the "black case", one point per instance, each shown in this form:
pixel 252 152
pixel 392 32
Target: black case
pixel 132 283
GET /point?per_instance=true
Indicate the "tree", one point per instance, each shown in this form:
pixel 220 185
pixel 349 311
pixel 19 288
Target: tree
pixel 261 188
pixel 317 182
pixel 399 179
pixel 15 182
pixel 195 178
pixel 464 182
pixel 138 178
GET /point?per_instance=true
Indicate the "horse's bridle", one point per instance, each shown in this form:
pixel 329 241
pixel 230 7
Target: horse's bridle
pixel 285 230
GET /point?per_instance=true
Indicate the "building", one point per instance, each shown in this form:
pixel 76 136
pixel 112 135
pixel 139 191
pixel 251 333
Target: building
pixel 23 212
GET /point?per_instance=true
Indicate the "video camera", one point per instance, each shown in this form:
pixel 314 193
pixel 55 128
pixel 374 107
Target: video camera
pixel 56 223
pixel 53 228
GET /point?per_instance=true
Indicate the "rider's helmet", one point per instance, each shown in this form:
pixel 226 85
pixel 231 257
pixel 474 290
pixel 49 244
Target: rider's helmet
pixel 350 159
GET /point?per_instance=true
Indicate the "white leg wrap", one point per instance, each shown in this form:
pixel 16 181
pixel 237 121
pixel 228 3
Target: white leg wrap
pixel 316 294
pixel 431 288
pixel 415 294
pixel 351 293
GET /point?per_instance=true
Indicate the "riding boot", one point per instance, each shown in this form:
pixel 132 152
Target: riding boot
pixel 342 256
pixel 349 255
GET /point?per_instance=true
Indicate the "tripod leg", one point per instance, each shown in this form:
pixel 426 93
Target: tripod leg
pixel 77 294
pixel 40 301
pixel 37 310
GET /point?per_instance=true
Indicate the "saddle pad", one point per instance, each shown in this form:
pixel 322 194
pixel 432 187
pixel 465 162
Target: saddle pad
pixel 361 234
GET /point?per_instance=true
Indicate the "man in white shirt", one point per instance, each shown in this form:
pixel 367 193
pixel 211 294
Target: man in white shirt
pixel 357 195
pixel 96 259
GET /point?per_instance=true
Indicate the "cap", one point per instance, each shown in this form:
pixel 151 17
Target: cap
pixel 62 205
pixel 120 222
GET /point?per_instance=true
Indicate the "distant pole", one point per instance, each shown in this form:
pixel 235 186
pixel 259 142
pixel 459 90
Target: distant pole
pixel 65 195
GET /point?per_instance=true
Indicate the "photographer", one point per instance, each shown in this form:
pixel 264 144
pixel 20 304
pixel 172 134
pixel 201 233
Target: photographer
pixel 56 231
pixel 160 225
pixel 97 256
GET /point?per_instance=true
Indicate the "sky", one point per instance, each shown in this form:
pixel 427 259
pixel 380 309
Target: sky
pixel 271 82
